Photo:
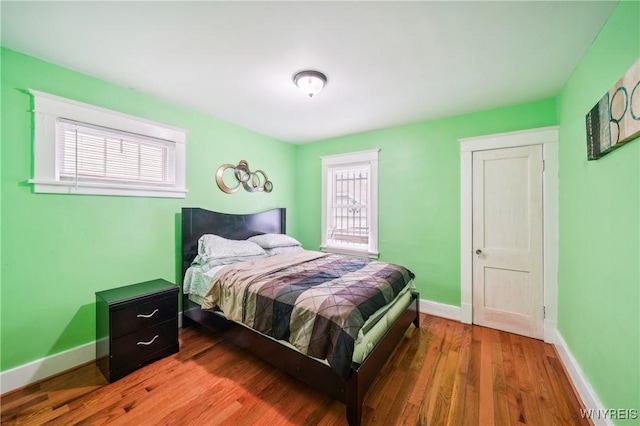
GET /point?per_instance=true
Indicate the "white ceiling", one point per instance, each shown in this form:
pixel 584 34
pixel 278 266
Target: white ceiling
pixel 388 63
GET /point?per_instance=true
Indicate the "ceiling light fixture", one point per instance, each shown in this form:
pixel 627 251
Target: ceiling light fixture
pixel 310 82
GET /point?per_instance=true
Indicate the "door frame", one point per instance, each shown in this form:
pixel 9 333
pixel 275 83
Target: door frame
pixel 548 138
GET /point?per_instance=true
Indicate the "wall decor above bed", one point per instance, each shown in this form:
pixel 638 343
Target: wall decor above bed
pixel 251 181
pixel 615 119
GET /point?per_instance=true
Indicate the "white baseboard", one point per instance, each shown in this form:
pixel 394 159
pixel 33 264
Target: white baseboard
pixel 466 313
pixel 440 309
pixel 26 374
pixel 579 380
pixel 550 331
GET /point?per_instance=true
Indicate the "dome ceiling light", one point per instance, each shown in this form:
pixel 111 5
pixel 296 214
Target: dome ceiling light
pixel 310 82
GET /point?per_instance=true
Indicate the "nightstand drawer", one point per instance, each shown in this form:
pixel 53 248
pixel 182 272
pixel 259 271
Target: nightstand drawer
pixel 124 369
pixel 137 347
pixel 142 315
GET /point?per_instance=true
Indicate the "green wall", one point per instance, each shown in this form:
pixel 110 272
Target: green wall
pixel 58 250
pixel 599 251
pixel 419 189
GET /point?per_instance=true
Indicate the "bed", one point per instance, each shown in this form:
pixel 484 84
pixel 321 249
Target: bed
pixel 347 383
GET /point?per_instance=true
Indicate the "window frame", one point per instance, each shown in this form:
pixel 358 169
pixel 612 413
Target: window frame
pixel 346 161
pixel 47 109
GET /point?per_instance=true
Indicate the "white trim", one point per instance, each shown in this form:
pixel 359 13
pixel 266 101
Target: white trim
pixel 34 371
pixel 48 104
pixel 548 138
pixel 550 327
pixel 339 250
pixel 537 136
pixel 583 387
pixel 350 157
pixel 48 108
pixel 466 232
pixel 95 188
pixel 550 237
pixel 440 309
pixel 466 313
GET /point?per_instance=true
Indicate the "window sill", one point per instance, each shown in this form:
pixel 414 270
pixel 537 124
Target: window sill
pixel 350 252
pixel 87 188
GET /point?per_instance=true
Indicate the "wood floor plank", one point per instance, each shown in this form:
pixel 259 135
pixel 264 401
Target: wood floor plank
pixel 514 397
pixel 458 393
pixel 472 394
pixel 525 382
pixel 438 359
pixel 540 385
pixel 500 399
pixel 444 372
pixel 442 400
pixel 414 361
pixel 433 341
pixel 567 388
pixel 253 404
pixel 563 410
pixel 111 414
pixel 486 415
pixel 23 398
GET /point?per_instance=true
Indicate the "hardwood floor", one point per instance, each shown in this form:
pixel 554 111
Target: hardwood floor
pixel 443 373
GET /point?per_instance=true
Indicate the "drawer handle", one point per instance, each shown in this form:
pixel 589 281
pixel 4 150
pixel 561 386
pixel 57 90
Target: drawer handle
pixel 149 342
pixel 147 316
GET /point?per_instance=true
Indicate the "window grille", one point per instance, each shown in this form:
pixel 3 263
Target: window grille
pixel 350 207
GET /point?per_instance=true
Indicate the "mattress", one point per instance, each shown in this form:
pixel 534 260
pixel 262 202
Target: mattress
pixel 315 301
pixel 371 333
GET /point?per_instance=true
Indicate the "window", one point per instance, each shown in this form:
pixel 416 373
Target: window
pixel 350 203
pixel 82 149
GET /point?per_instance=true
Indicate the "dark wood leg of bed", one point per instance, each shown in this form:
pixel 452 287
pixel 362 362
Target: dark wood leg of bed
pixel 416 321
pixel 354 395
pixel 363 375
pixel 188 322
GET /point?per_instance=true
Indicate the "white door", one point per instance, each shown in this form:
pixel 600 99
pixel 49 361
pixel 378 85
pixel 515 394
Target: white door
pixel 507 240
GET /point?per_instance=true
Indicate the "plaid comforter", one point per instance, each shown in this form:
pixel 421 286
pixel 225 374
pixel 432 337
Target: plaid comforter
pixel 316 301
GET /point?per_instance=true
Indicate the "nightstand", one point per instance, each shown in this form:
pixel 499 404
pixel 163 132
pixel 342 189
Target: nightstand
pixel 135 325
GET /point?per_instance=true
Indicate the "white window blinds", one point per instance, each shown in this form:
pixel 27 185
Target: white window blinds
pixel 87 152
pixel 84 149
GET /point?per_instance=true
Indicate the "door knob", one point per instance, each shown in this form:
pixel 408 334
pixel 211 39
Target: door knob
pixel 479 253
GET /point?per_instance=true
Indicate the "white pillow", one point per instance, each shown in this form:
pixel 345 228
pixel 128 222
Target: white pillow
pixel 267 241
pixel 280 250
pixel 212 246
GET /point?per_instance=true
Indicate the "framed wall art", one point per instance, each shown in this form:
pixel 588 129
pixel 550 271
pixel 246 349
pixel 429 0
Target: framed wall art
pixel 615 119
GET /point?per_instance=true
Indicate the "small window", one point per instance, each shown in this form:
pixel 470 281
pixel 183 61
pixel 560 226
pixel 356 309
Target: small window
pixel 350 193
pixel 104 152
pixel 92 153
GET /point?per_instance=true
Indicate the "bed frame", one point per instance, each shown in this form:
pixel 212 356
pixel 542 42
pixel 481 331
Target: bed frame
pixel 195 223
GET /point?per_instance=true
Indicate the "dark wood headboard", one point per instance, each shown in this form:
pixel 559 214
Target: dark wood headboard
pixel 197 222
